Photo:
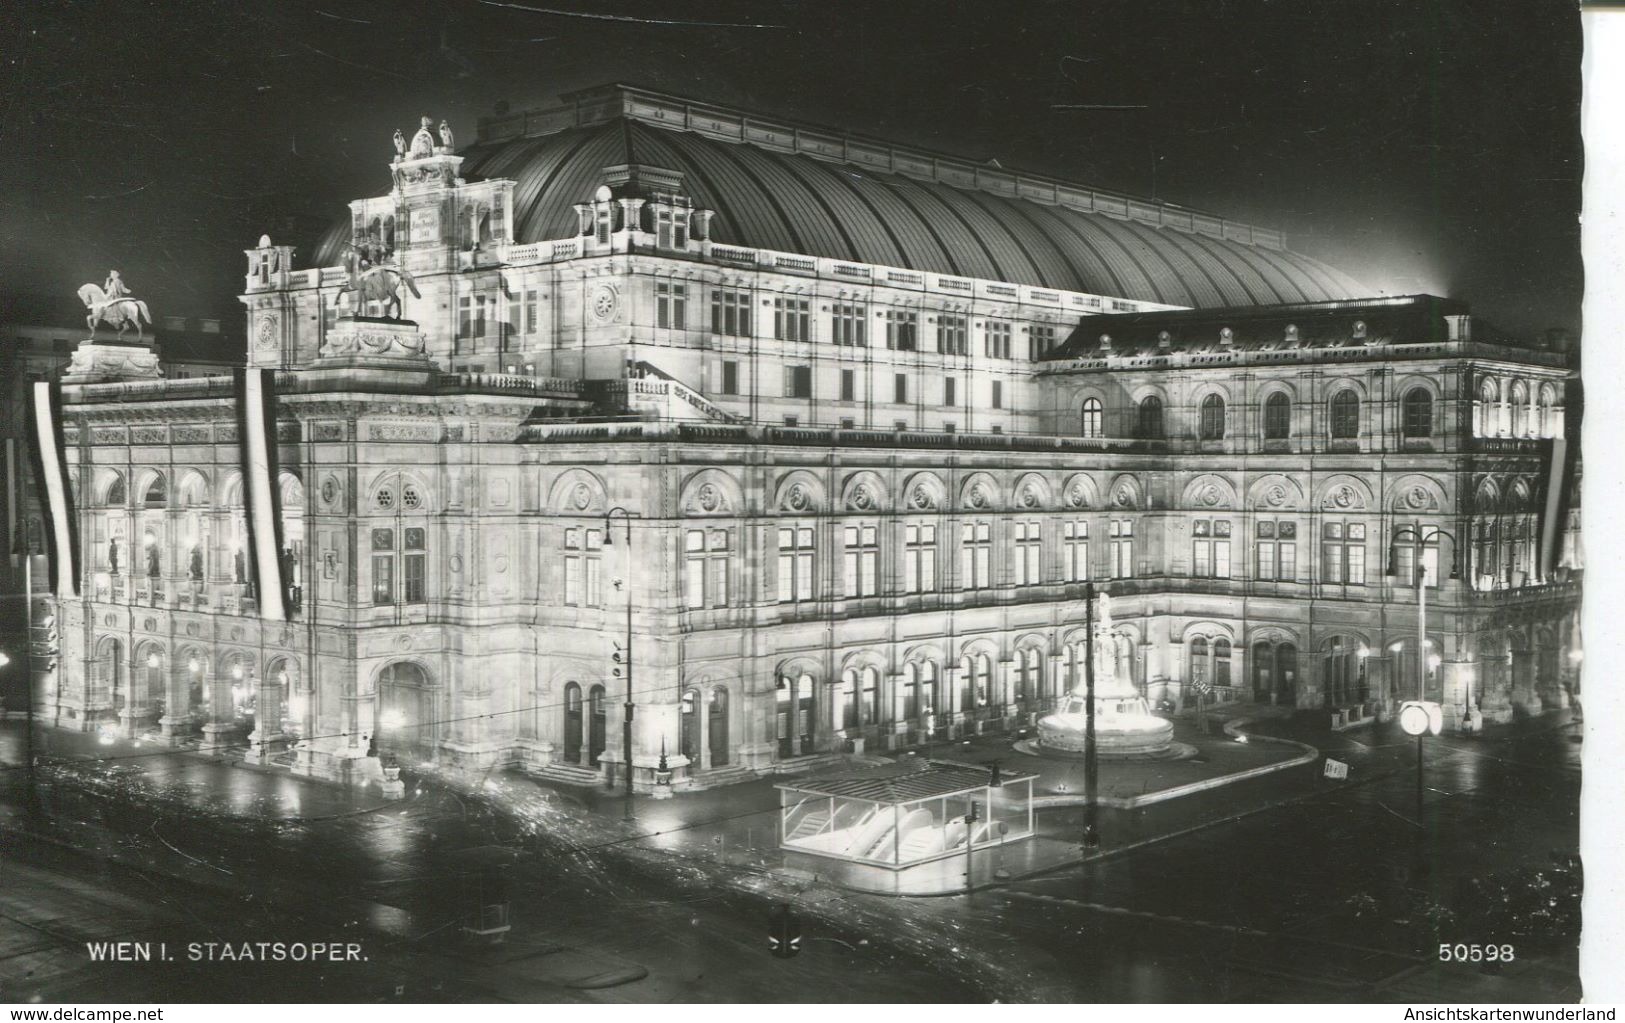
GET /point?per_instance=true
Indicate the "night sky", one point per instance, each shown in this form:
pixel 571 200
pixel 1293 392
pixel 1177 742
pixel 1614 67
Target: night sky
pixel 1417 145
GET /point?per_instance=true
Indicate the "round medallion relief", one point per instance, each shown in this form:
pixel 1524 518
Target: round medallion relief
pixel 500 563
pixel 266 336
pixel 109 619
pixel 455 564
pixel 581 496
pixel 149 624
pixel 1275 496
pixel 710 498
pixel 330 490
pixel 796 497
pixel 193 629
pixel 604 303
pixel 236 632
pixel 921 497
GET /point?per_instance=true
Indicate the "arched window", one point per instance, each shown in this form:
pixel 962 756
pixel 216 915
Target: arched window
pixel 1277 416
pixel 1091 426
pixel 1221 662
pixel 688 741
pixel 597 724
pixel 1520 409
pixel 1345 415
pixel 908 693
pixel 984 679
pixel 846 700
pixel 157 494
pixel 572 722
pixel 1418 413
pixel 1545 400
pixel 1149 425
pixel 931 696
pixel 871 696
pixel 1212 425
pixel 1489 402
pixel 116 493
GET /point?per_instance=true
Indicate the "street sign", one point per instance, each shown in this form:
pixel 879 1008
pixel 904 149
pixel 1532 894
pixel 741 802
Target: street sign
pixel 1336 770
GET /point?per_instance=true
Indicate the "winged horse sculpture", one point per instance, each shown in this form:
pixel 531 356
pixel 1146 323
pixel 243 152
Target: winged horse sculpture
pixel 120 313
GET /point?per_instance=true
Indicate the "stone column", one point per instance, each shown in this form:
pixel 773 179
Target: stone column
pixel 135 697
pixel 177 712
pixel 267 718
pixel 1496 688
pixel 221 719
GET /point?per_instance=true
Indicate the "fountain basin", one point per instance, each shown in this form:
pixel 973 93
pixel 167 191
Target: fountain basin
pixel 1124 727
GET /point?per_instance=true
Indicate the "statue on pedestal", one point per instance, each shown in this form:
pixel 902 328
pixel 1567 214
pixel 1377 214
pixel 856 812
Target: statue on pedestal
pixel 112 304
pixel 422 141
pixel 370 283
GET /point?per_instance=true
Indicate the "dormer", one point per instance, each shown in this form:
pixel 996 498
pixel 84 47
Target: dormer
pixel 639 204
pixel 268 265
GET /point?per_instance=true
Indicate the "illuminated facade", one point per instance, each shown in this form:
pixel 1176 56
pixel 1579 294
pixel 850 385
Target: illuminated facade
pixel 855 422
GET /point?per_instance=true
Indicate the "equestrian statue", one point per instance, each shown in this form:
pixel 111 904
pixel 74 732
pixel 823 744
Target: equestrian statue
pixel 112 304
pixel 375 283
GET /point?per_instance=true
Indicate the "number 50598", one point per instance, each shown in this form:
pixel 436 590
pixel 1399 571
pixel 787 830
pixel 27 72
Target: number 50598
pixel 1475 953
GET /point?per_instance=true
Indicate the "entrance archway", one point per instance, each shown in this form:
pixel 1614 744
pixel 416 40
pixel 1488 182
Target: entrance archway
pixel 716 723
pixel 793 715
pixel 405 707
pixel 110 674
pixel 597 725
pixel 573 723
pixel 1342 672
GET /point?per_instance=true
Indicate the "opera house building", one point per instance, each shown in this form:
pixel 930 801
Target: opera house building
pixel 780 442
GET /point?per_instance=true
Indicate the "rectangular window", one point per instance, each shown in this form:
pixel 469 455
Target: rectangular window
pixel 583 552
pixel 730 313
pixel 1405 563
pixel 862 561
pixel 1076 537
pixel 996 395
pixel 902 330
pixel 1122 545
pixel 791 319
pixel 948 389
pixel 975 555
pixel 1040 340
pixel 900 389
pixel 1029 538
pixel 413 567
pixel 998 339
pixel 952 336
pixel 671 306
pixel 1210 549
pixel 920 558
pixel 798 381
pixel 1277 550
pixel 795 563
pixel 730 377
pixel 1342 553
pixel 671 227
pixel 848 323
pixel 705 568
pixel 849 385
pixel 383 579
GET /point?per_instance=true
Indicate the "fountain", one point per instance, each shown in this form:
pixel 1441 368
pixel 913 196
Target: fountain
pixel 1124 725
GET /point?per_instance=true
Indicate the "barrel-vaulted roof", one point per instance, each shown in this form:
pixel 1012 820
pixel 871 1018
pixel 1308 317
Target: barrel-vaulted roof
pixel 814 191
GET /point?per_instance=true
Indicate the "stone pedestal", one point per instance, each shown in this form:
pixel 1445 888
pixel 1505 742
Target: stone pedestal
pixel 174 729
pixel 100 362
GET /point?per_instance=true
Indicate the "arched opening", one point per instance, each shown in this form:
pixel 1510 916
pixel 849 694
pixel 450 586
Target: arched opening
pixel 154 675
pixel 292 555
pixel 1487 421
pixel 597 724
pixel 117 493
pixel 1277 416
pixel 1200 670
pixel 1212 418
pixel 1124 662
pixel 1221 663
pixel 688 726
pixel 110 676
pixel 293 700
pixel 1519 410
pixel 405 722
pixel 794 715
pixel 1029 679
pixel 573 722
pixel 716 724
pixel 1091 418
pixel 846 701
pixel 1345 415
pixel 1343 672
pixel 1149 420
pixel 1417 418
pixel 932 697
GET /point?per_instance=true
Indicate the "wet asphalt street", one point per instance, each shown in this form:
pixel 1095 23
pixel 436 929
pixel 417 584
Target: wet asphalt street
pixel 1243 893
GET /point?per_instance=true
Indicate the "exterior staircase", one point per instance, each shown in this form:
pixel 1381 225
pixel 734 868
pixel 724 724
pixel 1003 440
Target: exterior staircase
pixel 650 390
pixel 566 774
pixel 811 823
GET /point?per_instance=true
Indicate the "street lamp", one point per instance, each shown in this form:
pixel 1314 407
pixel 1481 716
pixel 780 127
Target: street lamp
pixel 1421 537
pixel 1091 761
pixel 626 721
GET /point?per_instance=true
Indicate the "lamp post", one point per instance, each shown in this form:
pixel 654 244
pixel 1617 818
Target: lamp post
pixel 1091 763
pixel 626 721
pixel 1420 537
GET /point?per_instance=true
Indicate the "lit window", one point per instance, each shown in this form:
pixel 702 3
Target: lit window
pixel 1210 549
pixel 920 558
pixel 998 339
pixel 705 568
pixel 975 555
pixel 1122 548
pixel 796 552
pixel 1091 424
pixel 1277 550
pixel 1029 539
pixel 583 563
pixel 862 561
pixel 1075 536
pixel 1342 553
